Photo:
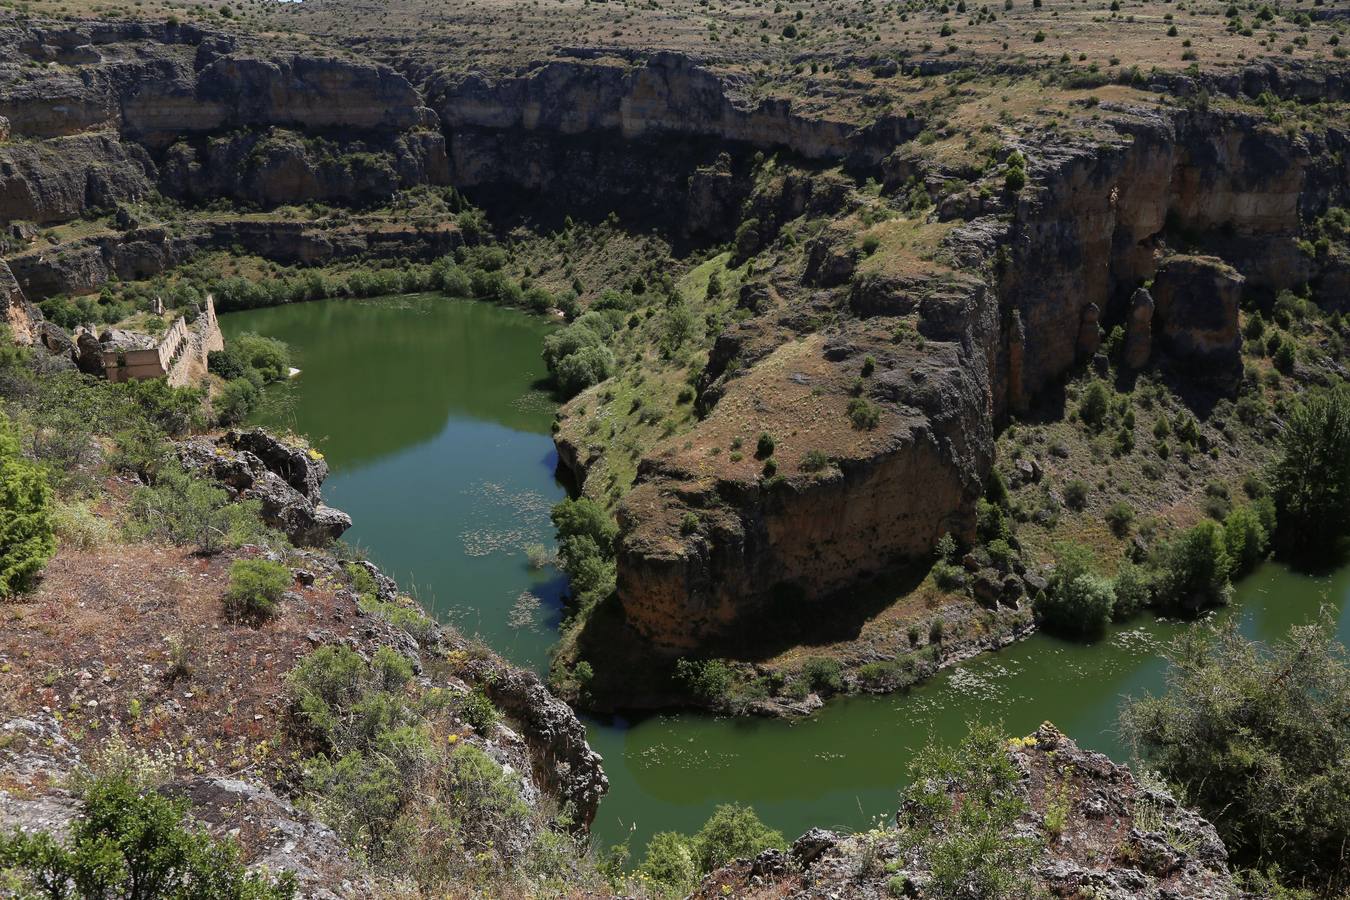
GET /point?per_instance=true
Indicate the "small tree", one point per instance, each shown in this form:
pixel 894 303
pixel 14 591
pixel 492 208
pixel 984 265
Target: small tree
pixel 1258 737
pixel 1311 476
pixel 1077 602
pixel 1196 569
pixel 130 842
pixel 961 809
pixel 26 537
pixel 1094 405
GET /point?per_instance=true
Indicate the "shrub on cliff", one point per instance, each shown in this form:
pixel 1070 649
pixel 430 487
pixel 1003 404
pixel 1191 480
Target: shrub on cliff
pixel 1094 405
pixel 186 510
pixel 255 357
pixel 255 589
pixel 27 539
pixel 131 842
pixel 1258 737
pixel 708 680
pixel 1310 478
pixel 235 401
pixel 586 536
pixel 576 356
pixel 669 864
pixel 961 808
pixel 674 862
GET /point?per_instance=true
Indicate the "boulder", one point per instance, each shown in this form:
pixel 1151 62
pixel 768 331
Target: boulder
pixel 303 468
pixel 987 587
pixel 1197 301
pixel 4 129
pixel 1139 329
pixel 812 845
pixel 274 479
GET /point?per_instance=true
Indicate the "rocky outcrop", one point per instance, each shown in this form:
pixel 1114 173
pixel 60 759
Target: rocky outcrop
pixel 212 98
pixel 668 94
pixel 1197 301
pixel 1098 215
pixel 1139 329
pixel 284 479
pixel 21 317
pixel 564 763
pixel 247 90
pixel 60 180
pixel 84 265
pixel 36 757
pixel 281 166
pixel 1120 839
pixel 709 550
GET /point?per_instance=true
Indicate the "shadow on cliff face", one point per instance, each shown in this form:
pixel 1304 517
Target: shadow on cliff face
pixel 636 676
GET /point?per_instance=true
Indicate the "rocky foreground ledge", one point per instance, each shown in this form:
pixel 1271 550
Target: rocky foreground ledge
pixel 124 649
pixel 1111 835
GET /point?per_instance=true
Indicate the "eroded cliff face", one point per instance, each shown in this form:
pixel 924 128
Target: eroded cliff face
pixel 708 548
pixel 667 95
pixel 84 265
pixel 711 546
pixel 197 115
pixel 1099 218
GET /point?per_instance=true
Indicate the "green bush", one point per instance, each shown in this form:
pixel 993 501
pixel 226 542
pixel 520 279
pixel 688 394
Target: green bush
pixel 342 702
pixel 236 400
pixel 961 808
pixel 578 371
pixel 823 674
pixel 255 357
pixel 255 589
pixel 1258 737
pixel 1245 538
pixel 576 356
pixel 1077 602
pixel 129 842
pixel 1076 494
pixel 1133 589
pixel 1195 569
pixel 1094 405
pixel 764 446
pixel 864 414
pixel 669 863
pixel 475 708
pixel 1310 478
pixel 586 535
pixel 733 832
pixel 1119 517
pixel 27 538
pixel 187 510
pixel 708 680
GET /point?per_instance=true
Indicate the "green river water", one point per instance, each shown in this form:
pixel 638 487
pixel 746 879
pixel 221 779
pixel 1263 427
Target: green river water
pixel 437 434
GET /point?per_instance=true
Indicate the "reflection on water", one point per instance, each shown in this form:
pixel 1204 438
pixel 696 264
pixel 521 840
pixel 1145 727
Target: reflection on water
pixel 437 437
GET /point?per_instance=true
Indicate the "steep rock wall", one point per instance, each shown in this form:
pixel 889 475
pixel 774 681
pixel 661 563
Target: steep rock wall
pixel 1097 219
pixel 61 179
pixel 669 94
pixel 84 265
